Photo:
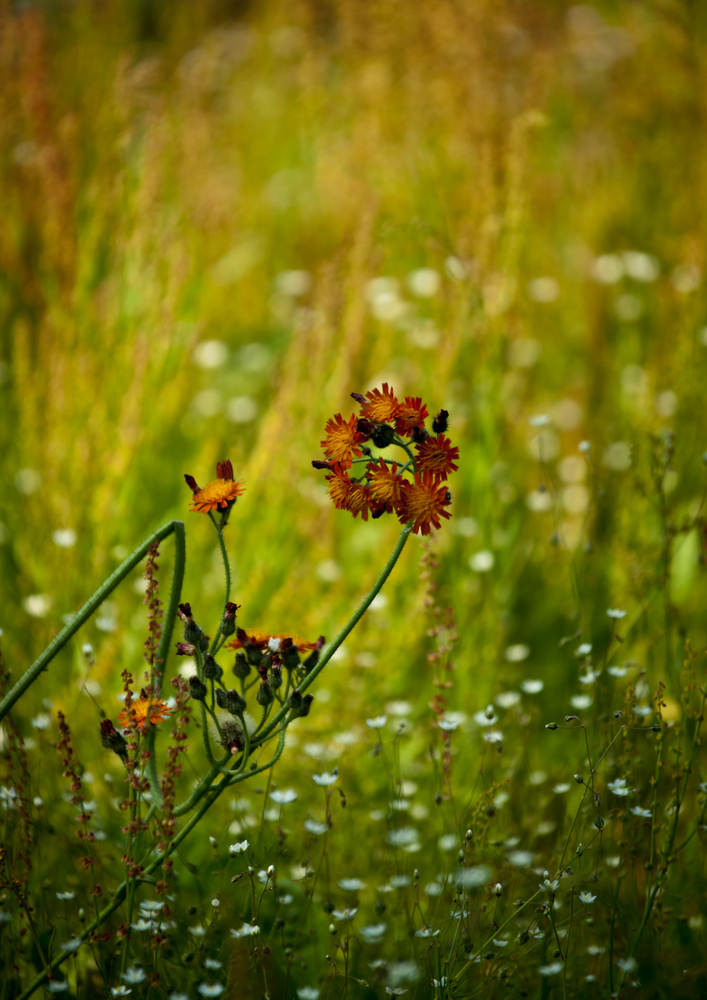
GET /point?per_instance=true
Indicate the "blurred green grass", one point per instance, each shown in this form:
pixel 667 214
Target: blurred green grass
pixel 167 171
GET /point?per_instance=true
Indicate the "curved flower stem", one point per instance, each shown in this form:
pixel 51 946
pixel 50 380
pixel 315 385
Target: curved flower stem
pixel 348 627
pixel 95 600
pixel 120 892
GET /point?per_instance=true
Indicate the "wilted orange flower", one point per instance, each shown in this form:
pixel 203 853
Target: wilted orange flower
pixel 260 638
pixel 342 440
pixel 138 711
pixel 423 502
pixel 385 485
pixel 380 405
pixel 411 414
pixel 222 492
pixel 436 454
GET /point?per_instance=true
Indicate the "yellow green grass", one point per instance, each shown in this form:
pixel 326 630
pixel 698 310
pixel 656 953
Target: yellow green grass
pixel 164 169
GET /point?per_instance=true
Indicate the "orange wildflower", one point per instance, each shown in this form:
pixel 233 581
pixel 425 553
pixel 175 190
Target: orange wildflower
pixel 222 492
pixel 380 405
pixel 423 502
pixel 260 638
pixel 436 454
pixel 140 708
pixel 359 501
pixel 385 485
pixel 411 414
pixel 339 487
pixel 342 440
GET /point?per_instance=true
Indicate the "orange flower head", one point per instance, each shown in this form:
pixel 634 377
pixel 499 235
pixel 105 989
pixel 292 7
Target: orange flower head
pixel 423 502
pixel 359 501
pixel 222 492
pixel 411 414
pixel 385 485
pixel 339 487
pixel 139 710
pixel 260 638
pixel 342 440
pixel 380 405
pixel 436 454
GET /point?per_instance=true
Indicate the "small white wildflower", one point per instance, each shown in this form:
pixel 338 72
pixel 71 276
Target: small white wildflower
pixel 550 970
pixel 548 885
pixel 521 859
pixel 210 989
pixel 144 925
pixel 65 895
pixel 627 964
pixel 378 722
pixel 270 871
pixel 498 889
pixel 472 878
pixel 215 902
pixel 347 914
pixel 238 848
pixel 402 837
pixel 584 649
pixel 586 897
pixel 58 986
pixel 616 613
pixel 42 721
pixel 283 797
pixel 616 671
pixel 327 778
pixel 38 801
pixel 426 932
pixel 308 993
pixel 532 686
pixel 619 787
pixel 643 813
pixel 212 963
pixel 134 975
pixel 447 726
pixel 312 826
pixel 351 884
pixel 72 945
pixel 213 841
pixel 541 420
pixel 197 931
pixel 247 930
pixel 373 932
pixel 120 991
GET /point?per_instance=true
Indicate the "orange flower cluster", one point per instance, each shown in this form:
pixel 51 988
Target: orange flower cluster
pixel 414 487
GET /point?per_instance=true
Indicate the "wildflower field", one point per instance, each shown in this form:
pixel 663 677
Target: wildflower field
pixel 353 526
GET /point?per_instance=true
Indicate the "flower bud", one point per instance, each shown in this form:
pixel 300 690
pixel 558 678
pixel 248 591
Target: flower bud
pixel 235 704
pixel 366 427
pixel 192 632
pixel 440 422
pixel 318 463
pixel 241 668
pixel 228 622
pixel 220 698
pixel 212 671
pixel 185 649
pixel 383 435
pixel 313 658
pixel 264 695
pixel 197 690
pixel 358 397
pixel 112 740
pixel 418 435
pixel 275 678
pixel 295 700
pixel 306 703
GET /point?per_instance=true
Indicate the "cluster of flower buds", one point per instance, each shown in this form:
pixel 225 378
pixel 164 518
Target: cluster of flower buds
pixel 269 654
pixel 414 488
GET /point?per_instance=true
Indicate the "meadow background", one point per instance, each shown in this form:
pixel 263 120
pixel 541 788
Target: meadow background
pixel 218 220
